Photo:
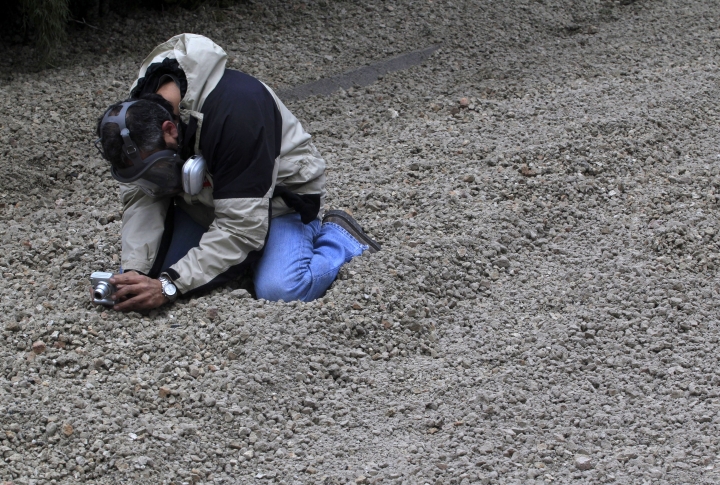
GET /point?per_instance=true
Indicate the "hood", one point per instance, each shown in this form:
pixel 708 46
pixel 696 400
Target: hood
pixel 202 60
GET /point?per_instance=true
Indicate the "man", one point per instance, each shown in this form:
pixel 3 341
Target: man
pixel 257 205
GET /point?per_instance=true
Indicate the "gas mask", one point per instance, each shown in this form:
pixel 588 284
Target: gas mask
pixel 160 174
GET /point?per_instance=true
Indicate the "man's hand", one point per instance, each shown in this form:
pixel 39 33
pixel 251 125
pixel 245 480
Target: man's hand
pixel 136 292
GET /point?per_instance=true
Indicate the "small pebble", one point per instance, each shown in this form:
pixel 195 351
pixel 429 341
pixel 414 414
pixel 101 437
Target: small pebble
pixel 38 347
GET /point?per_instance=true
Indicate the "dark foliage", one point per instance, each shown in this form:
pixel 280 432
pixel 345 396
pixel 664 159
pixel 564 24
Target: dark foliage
pixel 43 23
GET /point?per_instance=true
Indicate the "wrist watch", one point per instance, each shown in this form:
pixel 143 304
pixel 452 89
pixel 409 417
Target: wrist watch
pixel 169 290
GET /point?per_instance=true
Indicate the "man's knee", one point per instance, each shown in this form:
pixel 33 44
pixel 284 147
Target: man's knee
pixel 276 289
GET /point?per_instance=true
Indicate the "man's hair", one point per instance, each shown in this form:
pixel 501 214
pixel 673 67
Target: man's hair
pixel 144 120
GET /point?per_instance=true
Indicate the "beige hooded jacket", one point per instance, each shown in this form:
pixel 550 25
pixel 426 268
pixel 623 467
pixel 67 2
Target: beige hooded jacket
pixel 236 226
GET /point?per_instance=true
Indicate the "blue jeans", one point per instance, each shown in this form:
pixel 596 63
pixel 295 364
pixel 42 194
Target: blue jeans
pixel 299 262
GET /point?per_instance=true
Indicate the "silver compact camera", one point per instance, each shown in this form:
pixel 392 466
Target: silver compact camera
pixel 102 289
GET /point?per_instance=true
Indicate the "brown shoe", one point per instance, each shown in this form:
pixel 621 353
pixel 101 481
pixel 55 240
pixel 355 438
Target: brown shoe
pixel 346 221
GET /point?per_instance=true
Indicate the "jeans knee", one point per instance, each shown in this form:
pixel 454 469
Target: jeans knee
pixel 279 289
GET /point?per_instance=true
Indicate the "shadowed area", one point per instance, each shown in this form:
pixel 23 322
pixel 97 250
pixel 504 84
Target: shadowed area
pixel 363 76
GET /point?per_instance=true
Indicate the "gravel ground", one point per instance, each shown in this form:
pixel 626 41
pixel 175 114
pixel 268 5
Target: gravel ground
pixel 544 309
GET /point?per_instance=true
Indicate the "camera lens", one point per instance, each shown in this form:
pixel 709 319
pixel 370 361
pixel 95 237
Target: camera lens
pixel 102 291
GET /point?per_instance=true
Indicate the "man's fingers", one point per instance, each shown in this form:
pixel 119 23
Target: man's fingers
pixel 122 303
pixel 137 292
pixel 128 306
pixel 138 288
pixel 127 290
pixel 122 306
pixel 127 278
pixel 138 302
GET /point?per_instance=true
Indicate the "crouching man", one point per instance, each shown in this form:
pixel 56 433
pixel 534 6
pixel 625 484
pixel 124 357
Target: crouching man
pixel 218 177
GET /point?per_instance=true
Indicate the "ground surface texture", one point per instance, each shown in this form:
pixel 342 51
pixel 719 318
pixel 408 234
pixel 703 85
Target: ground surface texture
pixel 544 309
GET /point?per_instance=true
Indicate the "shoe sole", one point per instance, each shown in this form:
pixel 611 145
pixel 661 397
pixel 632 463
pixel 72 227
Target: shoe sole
pixel 357 231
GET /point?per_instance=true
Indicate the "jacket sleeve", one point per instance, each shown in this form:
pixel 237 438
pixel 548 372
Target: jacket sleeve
pixel 142 228
pixel 240 139
pixel 234 240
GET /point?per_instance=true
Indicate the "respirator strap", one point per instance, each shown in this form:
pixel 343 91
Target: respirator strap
pixel 130 149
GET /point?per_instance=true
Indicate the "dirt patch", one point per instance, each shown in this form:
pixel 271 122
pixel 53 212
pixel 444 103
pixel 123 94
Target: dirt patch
pixel 543 309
